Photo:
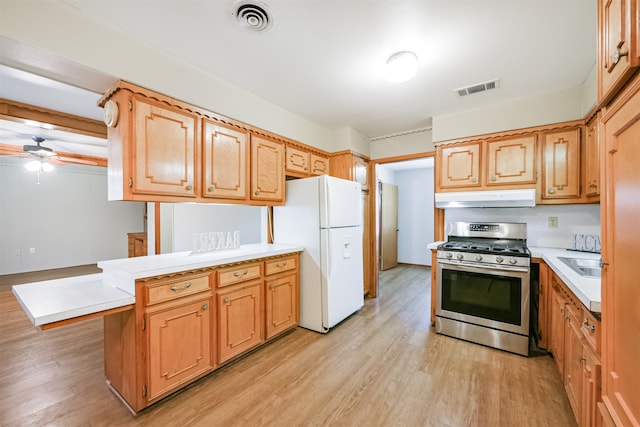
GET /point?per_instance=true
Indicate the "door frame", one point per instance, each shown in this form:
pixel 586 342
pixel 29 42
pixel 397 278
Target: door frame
pixel 438 217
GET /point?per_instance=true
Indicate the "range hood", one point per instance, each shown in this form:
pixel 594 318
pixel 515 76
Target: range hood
pixel 487 199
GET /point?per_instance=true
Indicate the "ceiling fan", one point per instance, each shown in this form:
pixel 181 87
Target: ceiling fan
pixel 42 158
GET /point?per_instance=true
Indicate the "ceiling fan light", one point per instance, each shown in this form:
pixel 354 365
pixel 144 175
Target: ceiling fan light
pixel 46 167
pixel 402 66
pixel 33 165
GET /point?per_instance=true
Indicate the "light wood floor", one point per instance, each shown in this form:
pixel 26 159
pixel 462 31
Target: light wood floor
pixel 384 366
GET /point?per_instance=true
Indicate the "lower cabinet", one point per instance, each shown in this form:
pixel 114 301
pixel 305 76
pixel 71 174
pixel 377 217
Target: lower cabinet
pixel 240 323
pixel 575 343
pixel 179 345
pixel 184 325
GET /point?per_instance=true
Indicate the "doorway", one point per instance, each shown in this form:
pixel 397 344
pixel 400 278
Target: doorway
pixel 414 179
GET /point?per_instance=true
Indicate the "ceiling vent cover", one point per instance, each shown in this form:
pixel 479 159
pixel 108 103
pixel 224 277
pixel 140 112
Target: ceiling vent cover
pixel 478 87
pixel 252 15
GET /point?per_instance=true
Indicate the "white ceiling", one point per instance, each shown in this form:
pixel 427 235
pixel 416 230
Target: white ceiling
pixel 324 60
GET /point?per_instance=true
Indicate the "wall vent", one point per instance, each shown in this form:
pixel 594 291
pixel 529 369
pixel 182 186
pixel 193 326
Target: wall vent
pixel 478 87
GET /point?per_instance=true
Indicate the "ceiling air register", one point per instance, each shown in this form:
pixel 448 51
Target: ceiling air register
pixel 252 15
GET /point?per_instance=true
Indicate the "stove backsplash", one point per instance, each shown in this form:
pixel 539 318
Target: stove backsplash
pixel 572 220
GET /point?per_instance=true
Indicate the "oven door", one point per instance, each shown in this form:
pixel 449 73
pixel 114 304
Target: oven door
pixel 496 298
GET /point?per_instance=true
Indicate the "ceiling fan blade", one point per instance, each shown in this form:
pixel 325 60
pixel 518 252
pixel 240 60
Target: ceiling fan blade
pixel 10 150
pixel 55 161
pixel 78 161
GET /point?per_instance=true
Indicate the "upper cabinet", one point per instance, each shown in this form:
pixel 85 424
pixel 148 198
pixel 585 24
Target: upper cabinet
pixel 225 161
pixel 459 165
pixel 489 163
pixel 351 166
pixel 618 45
pixel 267 170
pixel 162 146
pixel 561 165
pixel 164 150
pixel 592 159
pixel 301 163
pixel 319 165
pixel 511 161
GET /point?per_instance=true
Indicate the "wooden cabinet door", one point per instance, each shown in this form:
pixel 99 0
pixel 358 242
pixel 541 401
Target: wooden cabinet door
pixel 179 346
pixel 282 304
pixel 297 161
pixel 544 302
pixel 557 314
pixel 225 161
pixel 511 161
pixel 619 46
pixel 240 321
pixel 561 165
pixel 592 160
pixel 267 170
pixel 573 359
pixel 459 166
pixel 591 380
pixel 164 151
pixel 620 290
pixel 319 165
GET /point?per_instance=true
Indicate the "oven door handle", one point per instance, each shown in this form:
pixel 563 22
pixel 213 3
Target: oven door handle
pixel 492 267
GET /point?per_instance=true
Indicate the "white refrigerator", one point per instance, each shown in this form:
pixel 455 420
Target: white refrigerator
pixel 324 215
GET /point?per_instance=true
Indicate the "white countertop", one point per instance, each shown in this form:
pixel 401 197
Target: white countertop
pixel 122 273
pixel 434 245
pixel 61 299
pixel 587 289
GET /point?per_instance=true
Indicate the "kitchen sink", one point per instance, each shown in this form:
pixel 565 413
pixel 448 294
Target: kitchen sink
pixel 583 266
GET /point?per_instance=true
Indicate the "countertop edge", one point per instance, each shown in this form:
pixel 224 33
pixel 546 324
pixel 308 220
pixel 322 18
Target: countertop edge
pixel 587 290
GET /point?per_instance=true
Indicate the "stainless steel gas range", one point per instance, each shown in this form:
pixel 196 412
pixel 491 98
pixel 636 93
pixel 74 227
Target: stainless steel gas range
pixel 483 285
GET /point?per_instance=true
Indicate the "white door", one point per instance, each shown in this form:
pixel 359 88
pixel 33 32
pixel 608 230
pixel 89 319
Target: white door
pixel 342 273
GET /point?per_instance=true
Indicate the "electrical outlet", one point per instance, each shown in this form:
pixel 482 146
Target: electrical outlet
pixel 553 222
pixel 17 252
pixel 32 250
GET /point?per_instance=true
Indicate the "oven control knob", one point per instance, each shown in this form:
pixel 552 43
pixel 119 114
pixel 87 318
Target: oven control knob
pixel 449 255
pixel 478 257
pixel 460 256
pixel 499 259
pixel 512 261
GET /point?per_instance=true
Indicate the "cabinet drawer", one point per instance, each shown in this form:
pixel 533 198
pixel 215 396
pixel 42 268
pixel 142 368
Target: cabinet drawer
pixel 591 330
pixel 165 291
pixel 279 265
pixel 237 274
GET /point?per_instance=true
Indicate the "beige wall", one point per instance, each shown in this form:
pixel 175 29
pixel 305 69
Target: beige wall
pixel 411 143
pixel 349 139
pixel 68 39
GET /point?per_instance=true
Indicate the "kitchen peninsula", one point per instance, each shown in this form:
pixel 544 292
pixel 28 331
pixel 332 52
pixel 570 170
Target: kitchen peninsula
pixel 170 319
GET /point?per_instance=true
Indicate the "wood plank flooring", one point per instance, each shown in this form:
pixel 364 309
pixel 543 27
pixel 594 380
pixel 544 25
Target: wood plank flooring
pixel 384 366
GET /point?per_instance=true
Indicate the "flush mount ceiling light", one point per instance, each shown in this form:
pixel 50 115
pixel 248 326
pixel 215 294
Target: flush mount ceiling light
pixel 402 66
pixel 252 15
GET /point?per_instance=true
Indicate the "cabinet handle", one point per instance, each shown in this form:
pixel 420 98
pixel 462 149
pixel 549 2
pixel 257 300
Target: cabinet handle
pixel 581 358
pixel 552 191
pixel 586 324
pixel 244 273
pixel 617 55
pixel 305 168
pixel 210 188
pixel 206 306
pixel 130 182
pixel 189 187
pixel 257 193
pixel 186 286
pixel 474 180
pixel 281 265
pixel 493 178
pixel 226 300
pixel 272 286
